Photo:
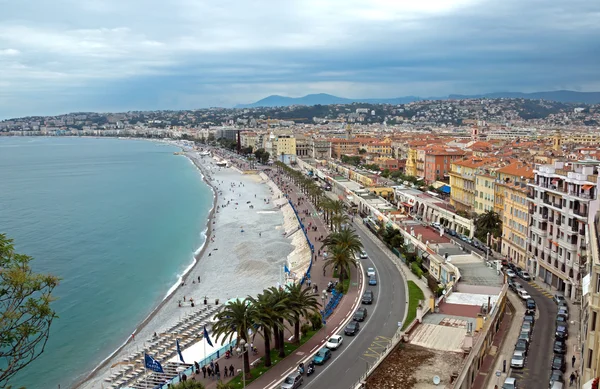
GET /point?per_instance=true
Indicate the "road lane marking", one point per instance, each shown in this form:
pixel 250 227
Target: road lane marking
pixel 314 348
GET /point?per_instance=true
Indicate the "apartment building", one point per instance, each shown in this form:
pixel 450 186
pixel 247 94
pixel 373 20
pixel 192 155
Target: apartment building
pixel 285 145
pixel 437 162
pixel 561 198
pixel 341 147
pixel 462 181
pixel 512 206
pixel 380 148
pixel 248 139
pixel 590 306
pixel 320 149
pixel 485 184
pixel 303 147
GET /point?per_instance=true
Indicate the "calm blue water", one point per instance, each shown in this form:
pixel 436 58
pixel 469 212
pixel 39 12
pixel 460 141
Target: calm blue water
pixel 117 220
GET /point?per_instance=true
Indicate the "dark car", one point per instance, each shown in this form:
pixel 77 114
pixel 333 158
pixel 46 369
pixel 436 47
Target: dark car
pixel 558 363
pixel 561 321
pixel 367 297
pixel 511 283
pixel 556 376
pixel 560 347
pixel 529 318
pixel 352 328
pixel 522 345
pixel 530 304
pixel 561 332
pixel 360 314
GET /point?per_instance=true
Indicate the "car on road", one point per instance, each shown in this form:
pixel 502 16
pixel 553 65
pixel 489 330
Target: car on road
pixel 526 326
pixel 360 314
pixel 526 335
pixel 530 304
pixel 522 345
pixel 561 321
pixel 334 342
pixel 530 319
pixel 563 311
pixel 367 297
pixel 524 275
pixel 352 328
pixel 561 332
pixel 515 286
pixel 558 299
pixel 510 383
pixel 558 363
pixel 363 255
pixel 560 346
pixel 518 360
pixel 510 273
pixel 292 381
pixel 322 356
pixel 372 280
pixel 556 376
pixel 370 271
pixel 524 295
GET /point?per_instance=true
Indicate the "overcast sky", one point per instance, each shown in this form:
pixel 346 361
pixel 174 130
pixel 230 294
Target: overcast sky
pixel 114 55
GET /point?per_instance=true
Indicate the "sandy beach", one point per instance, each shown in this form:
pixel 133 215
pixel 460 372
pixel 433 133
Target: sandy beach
pixel 253 232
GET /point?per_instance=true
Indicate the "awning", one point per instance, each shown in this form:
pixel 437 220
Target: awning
pixel 407 205
pixel 587 187
pixel 445 189
pixel 554 243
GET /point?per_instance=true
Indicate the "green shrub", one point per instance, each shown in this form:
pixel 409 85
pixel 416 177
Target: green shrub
pixel 416 269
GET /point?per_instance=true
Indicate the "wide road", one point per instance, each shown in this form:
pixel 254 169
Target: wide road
pixel 350 361
pixel 536 373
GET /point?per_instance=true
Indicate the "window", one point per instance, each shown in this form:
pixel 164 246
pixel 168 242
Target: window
pixel 594 317
pixel 589 359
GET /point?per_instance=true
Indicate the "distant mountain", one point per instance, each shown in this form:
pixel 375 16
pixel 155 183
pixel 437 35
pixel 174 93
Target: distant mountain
pixel 563 96
pixel 321 99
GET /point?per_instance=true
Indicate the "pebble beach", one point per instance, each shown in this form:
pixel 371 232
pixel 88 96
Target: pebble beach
pixel 251 234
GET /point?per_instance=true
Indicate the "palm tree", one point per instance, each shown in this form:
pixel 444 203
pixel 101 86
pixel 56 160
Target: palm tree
pixel 280 299
pixel 327 207
pixel 488 222
pixel 338 219
pixel 342 258
pixel 345 238
pixel 235 319
pixel 302 303
pixel 265 314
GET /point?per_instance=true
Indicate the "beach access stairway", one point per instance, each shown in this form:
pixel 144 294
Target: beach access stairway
pixel 162 347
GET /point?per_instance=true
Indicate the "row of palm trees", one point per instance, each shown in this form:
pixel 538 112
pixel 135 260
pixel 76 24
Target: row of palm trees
pixel 269 314
pixel 266 315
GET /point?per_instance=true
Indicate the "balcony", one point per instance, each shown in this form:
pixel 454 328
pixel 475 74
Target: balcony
pixel 551 219
pixel 558 222
pixel 581 212
pixel 557 205
pixel 582 232
pixel 554 255
pixel 530 195
pixel 544 216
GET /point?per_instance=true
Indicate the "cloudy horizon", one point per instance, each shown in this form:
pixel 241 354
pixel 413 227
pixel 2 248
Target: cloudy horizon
pixel 108 55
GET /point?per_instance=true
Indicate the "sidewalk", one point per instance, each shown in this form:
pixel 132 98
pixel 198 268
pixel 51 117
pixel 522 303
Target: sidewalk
pixel 318 278
pixel 507 345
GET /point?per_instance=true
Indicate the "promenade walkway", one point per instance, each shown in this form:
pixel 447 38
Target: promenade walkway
pixel 318 278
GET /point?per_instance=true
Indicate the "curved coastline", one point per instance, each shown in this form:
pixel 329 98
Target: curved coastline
pixel 183 278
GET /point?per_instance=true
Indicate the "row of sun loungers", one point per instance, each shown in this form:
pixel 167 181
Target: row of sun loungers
pixel 163 347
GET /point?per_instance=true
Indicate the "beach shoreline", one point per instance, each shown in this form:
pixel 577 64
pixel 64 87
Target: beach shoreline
pixel 197 256
pixel 270 222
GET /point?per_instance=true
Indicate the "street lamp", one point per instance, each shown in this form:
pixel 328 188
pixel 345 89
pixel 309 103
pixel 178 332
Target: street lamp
pixel 487 249
pixel 243 349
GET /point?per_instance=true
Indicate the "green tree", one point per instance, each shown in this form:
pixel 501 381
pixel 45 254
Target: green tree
pixel 280 297
pixel 340 257
pixel 303 303
pixel 235 318
pixel 338 220
pixel 224 385
pixel 25 312
pixel 488 222
pixel 346 239
pixel 265 314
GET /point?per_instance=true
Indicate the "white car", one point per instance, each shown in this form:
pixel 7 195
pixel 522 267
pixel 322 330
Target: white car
pixel 511 273
pixel 363 255
pixel 370 272
pixel 523 294
pixel 334 342
pixel 518 360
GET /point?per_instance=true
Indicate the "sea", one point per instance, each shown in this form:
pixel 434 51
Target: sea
pixel 117 220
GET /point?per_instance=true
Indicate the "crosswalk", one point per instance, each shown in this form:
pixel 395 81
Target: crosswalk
pixel 542 290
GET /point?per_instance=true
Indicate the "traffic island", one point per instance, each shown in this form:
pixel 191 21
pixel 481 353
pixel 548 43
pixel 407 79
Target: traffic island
pixel 415 297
